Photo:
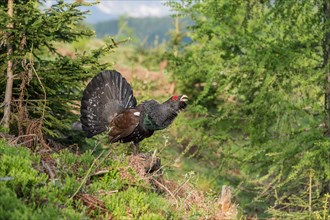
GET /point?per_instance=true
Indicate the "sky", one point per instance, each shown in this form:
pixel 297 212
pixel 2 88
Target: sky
pixel 110 9
pixel 134 8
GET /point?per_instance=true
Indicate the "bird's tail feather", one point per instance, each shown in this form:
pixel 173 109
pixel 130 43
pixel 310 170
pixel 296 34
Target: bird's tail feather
pixel 107 94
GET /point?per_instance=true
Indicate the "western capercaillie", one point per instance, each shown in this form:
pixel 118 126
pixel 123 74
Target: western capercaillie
pixel 108 104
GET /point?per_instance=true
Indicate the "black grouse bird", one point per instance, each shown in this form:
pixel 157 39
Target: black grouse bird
pixel 108 104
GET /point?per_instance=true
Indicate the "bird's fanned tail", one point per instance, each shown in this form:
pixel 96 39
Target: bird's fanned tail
pixel 107 95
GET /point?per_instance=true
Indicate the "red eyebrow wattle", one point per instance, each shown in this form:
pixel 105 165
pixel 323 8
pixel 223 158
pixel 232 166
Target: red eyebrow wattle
pixel 175 98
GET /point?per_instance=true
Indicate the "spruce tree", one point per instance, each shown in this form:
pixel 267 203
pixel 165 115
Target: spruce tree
pixel 47 85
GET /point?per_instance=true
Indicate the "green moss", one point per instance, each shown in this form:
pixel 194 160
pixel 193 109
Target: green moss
pixel 12 207
pixel 135 204
pixel 27 193
pixel 16 163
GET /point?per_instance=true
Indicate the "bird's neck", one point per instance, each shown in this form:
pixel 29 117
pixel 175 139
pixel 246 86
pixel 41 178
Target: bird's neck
pixel 150 124
pixel 156 116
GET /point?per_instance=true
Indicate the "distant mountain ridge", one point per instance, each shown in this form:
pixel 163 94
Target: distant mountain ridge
pixel 146 29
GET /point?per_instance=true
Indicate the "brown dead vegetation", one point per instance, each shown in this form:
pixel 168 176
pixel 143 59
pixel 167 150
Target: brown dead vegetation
pixel 94 204
pixel 183 195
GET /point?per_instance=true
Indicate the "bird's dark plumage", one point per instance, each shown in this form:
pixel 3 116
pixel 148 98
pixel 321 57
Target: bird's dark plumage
pixel 108 103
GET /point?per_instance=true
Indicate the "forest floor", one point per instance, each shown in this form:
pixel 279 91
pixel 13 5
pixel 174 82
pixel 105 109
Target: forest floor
pixel 67 183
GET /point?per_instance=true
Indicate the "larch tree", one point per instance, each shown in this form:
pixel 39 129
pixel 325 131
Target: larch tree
pixel 260 76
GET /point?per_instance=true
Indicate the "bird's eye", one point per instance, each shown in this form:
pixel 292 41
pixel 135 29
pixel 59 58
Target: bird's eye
pixel 175 98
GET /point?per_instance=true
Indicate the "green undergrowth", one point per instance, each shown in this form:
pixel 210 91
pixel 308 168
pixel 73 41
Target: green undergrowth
pixel 28 192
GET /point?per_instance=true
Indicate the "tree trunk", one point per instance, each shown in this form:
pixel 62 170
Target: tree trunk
pixel 325 66
pixel 10 75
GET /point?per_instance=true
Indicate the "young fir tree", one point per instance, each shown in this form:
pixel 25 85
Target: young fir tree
pixel 260 71
pixel 46 86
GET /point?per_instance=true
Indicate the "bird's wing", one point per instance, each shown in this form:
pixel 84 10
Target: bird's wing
pixel 123 124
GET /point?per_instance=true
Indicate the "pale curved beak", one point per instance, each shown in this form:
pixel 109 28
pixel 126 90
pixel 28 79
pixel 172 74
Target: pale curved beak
pixel 184 98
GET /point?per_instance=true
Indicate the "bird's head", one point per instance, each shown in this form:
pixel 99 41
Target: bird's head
pixel 178 103
pixel 162 115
